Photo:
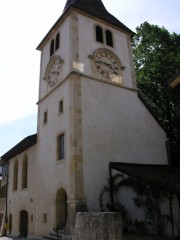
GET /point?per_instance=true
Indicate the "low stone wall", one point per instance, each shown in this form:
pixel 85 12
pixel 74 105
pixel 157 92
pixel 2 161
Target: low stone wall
pixel 98 226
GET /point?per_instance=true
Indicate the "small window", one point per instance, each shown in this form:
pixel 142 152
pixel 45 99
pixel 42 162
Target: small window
pixel 109 38
pixel 24 172
pixel 10 223
pixel 15 177
pixel 57 41
pixel 61 107
pixel 60 147
pixel 99 34
pixel 44 218
pixel 52 48
pixel 45 117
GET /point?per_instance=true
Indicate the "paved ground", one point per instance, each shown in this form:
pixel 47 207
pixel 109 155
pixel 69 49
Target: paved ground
pixel 16 238
pixel 124 238
pixel 8 238
pixel 138 238
pixel 147 238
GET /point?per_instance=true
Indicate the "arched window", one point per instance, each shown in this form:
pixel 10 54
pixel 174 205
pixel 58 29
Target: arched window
pixel 15 176
pixel 57 41
pixel 99 34
pixel 24 172
pixel 52 47
pixel 109 38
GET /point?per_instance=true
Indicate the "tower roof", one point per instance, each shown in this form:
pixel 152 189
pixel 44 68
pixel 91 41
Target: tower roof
pixel 92 7
pixel 85 3
pixel 97 9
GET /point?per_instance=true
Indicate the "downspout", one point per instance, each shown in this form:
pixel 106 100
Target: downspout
pixel 111 187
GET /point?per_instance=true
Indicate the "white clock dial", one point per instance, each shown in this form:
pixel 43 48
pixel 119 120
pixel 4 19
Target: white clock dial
pixel 106 63
pixel 53 70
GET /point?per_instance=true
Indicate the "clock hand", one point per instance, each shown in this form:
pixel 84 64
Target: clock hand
pixel 104 63
pixel 109 65
pixel 55 72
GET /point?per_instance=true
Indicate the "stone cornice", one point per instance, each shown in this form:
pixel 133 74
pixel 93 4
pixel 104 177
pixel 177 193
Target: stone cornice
pixel 76 73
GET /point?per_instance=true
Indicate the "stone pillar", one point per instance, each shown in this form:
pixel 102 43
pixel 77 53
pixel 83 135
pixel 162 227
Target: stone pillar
pixel 98 226
pixel 76 196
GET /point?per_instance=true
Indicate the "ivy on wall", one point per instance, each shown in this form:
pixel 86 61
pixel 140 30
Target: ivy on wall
pixel 153 196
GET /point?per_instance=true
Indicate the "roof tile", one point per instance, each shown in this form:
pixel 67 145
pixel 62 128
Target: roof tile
pixel 95 8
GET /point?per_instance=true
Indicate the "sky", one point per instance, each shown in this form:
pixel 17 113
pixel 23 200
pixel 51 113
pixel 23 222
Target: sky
pixel 23 25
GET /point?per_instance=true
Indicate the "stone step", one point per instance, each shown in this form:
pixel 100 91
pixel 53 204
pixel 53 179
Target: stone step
pixel 49 237
pixel 53 235
pixel 67 237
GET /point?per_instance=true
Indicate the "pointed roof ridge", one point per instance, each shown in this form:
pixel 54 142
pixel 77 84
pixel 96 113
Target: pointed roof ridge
pixel 97 9
pixel 92 7
pixel 95 3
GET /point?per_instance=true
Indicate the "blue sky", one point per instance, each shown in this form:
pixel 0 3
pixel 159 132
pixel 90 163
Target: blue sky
pixel 23 25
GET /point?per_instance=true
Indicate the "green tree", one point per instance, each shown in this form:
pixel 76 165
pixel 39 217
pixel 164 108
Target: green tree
pixel 157 59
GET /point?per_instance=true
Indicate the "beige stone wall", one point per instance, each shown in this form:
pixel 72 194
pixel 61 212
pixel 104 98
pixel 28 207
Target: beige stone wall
pixel 23 199
pixel 52 173
pixel 66 173
pixel 63 52
pixel 88 45
pixel 117 127
pixel 101 226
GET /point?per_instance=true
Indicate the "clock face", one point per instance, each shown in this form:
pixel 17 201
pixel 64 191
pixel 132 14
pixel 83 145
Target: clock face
pixel 54 71
pixel 106 64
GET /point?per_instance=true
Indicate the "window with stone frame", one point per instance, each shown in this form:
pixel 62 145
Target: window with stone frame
pixel 61 106
pixel 57 42
pixel 102 34
pixel 44 217
pixel 45 117
pixel 24 172
pixel 99 34
pixel 52 48
pixel 15 175
pixel 60 147
pixel 109 38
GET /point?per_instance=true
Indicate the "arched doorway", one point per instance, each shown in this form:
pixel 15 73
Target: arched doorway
pixel 23 224
pixel 61 208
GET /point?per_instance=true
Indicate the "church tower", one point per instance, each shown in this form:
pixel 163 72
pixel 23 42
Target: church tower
pixel 88 112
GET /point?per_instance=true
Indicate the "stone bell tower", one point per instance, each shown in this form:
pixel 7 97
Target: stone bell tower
pixel 88 111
